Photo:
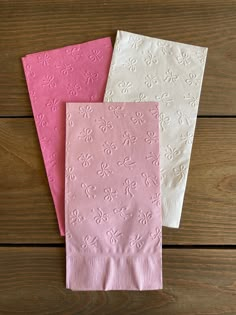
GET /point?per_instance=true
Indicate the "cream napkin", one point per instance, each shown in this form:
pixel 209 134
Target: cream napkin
pixel 149 69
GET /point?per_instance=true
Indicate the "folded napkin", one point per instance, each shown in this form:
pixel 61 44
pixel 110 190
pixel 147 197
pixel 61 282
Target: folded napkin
pixel 113 216
pixel 73 73
pixel 149 69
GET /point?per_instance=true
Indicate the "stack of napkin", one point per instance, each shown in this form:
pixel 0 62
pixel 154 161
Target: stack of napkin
pixel 117 169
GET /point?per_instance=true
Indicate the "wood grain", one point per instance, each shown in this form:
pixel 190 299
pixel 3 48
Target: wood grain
pixel 209 217
pixel 29 25
pixel 33 282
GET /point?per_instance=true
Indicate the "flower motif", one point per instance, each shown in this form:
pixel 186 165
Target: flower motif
pixel 155 111
pixel 74 52
pixel 48 81
pixel 129 187
pixel 144 217
pixel 149 179
pixel 183 59
pixel 135 42
pixel 151 137
pixel 138 119
pixel 89 241
pixel 125 86
pixel 85 158
pixel 85 111
pixel 113 236
pixel 165 47
pixel 200 56
pixel 155 159
pixel 141 98
pixel 193 101
pixel 95 55
pixel 187 138
pixel 171 153
pixel 136 241
pixel 109 147
pixel 192 79
pixel 89 190
pixel 170 77
pixel 29 71
pixel 183 118
pixel 69 120
pixel 69 174
pixel 164 121
pixel 156 235
pixel 44 59
pixel 128 139
pixel 53 104
pixel 122 213
pixel 86 135
pixel 117 110
pixel 156 199
pixel 162 174
pixel 90 77
pixel 130 64
pixel 65 68
pixel 164 99
pixel 52 160
pixel 108 96
pixel 150 59
pixel 75 217
pixel 104 171
pixel 126 163
pixel 101 216
pixel 73 89
pixel 69 197
pixel 41 120
pixel 150 80
pixel 180 171
pixel 110 194
pixel 104 125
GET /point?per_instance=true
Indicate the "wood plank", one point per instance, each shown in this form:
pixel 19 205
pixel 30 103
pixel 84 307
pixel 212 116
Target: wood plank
pixel 196 282
pixel 209 217
pixel 30 25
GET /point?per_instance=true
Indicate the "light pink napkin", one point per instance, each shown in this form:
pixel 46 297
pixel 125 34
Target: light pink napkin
pixel 113 215
pixel 73 73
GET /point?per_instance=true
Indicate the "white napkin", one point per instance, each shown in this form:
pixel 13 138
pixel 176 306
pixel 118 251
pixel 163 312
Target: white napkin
pixel 150 69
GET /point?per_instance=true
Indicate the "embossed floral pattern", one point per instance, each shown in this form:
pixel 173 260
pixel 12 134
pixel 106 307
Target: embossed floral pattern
pixel 144 217
pixel 70 174
pixel 164 99
pixel 138 118
pixel 90 77
pixel 130 186
pixel 164 121
pixel 125 87
pixel 192 79
pixel 192 100
pixel 42 120
pixel 180 172
pixel 89 190
pixel 128 139
pixel 108 96
pixel 117 110
pixel 95 55
pixel 131 64
pixel 104 125
pixel 89 242
pixel 85 159
pixel 44 59
pixel 150 59
pixel 183 58
pixel 141 98
pixel 156 199
pixel 187 138
pixel 85 111
pixel 86 135
pixel 154 158
pixel 75 217
pixel 65 69
pixel 136 241
pixel 170 77
pixel 73 89
pixel 49 81
pixel 151 137
pixel 100 216
pixel 113 236
pixel 109 147
pixel 149 179
pixel 74 52
pixel 171 153
pixel 110 194
pixel 127 162
pixel 150 80
pixel 122 212
pixel 105 170
pixel 53 104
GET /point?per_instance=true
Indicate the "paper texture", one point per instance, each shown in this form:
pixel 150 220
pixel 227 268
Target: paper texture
pixel 73 73
pixel 113 215
pixel 149 69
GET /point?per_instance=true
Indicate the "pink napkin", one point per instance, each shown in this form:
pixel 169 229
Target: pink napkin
pixel 73 73
pixel 112 212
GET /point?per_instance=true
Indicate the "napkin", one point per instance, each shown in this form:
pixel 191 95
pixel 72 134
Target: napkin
pixel 149 69
pixel 113 216
pixel 72 73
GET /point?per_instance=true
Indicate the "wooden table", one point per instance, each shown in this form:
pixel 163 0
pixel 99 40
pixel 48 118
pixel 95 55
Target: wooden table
pixel 199 259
